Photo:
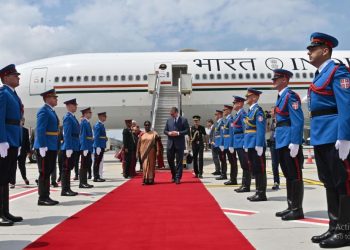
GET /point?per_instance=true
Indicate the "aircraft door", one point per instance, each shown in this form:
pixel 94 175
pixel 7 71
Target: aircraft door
pixel 164 72
pixel 177 71
pixel 37 81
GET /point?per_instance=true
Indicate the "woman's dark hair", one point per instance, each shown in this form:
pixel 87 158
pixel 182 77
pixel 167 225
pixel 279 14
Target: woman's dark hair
pixel 147 122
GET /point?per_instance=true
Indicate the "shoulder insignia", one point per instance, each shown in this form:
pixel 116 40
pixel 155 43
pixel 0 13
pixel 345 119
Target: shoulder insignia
pixel 260 118
pixel 345 83
pixel 295 105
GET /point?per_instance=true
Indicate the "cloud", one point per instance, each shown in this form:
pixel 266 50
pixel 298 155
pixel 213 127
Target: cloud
pixel 54 27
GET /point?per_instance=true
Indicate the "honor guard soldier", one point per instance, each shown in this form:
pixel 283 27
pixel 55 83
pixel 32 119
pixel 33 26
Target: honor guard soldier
pixel 254 142
pixel 86 147
pixel 227 149
pixel 237 142
pixel 217 141
pixel 100 140
pixel 11 112
pixel 288 139
pixel 329 102
pixel 46 145
pixel 70 147
pixel 197 133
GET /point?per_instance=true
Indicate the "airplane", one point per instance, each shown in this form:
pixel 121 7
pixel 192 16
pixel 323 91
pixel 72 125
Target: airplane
pixel 118 82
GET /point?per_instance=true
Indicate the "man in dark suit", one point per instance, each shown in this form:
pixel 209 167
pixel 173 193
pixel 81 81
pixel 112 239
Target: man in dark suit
pixel 129 145
pixel 176 128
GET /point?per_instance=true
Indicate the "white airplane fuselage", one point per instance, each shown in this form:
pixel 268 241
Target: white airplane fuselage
pixel 116 82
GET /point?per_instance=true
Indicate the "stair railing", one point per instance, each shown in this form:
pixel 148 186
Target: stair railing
pixel 155 102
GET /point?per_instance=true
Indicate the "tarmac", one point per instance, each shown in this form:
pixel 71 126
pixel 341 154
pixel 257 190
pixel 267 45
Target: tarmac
pixel 256 221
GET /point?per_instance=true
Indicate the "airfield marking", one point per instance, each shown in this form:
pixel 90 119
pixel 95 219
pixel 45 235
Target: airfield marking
pixel 22 194
pixel 238 212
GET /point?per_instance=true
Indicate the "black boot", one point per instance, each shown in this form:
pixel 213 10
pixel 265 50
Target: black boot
pixel 296 212
pixel 83 179
pixel 260 195
pixel 65 183
pixel 333 209
pixel 3 220
pixel 5 206
pixel 289 200
pixel 44 192
pixel 341 237
pixel 246 179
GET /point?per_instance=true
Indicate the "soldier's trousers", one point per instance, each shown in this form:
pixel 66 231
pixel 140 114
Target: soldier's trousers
pixel 45 165
pixel 291 167
pixel 233 164
pixel 8 166
pixel 198 158
pixel 215 151
pixel 85 165
pixel 97 161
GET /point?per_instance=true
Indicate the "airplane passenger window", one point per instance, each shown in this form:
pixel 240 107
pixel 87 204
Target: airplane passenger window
pixel 78 78
pixel 71 79
pixel 86 78
pixel 247 76
pixel 211 76
pixel 145 77
pixel 204 76
pixel 108 78
pixel 233 76
pixel 130 77
pixel 297 75
pixel 304 75
pixel 196 76
pixel 269 76
pixel 226 76
pixel 255 75
pixel 218 76
pixel 262 75
pixel 57 79
pixel 311 75
pixel 64 79
pixel 138 77
pixel 122 78
pixel 240 76
pixel 93 78
pixel 100 78
pixel 115 78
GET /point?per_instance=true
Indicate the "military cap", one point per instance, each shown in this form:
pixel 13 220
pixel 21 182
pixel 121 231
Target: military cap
pixel 86 110
pixel 318 39
pixel 9 70
pixel 238 99
pixel 102 113
pixel 228 106
pixel 128 121
pixel 252 91
pixel 196 118
pixel 49 93
pixel 279 73
pixel 72 101
pixel 219 111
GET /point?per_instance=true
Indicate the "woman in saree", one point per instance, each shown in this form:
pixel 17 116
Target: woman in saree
pixel 147 150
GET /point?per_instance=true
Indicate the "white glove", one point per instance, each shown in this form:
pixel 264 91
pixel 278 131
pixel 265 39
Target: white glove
pixel 42 151
pixel 245 149
pixel 19 151
pixel 98 151
pixel 259 150
pixel 4 146
pixel 69 153
pixel 221 148
pixel 344 147
pixel 231 150
pixel 85 152
pixel 294 148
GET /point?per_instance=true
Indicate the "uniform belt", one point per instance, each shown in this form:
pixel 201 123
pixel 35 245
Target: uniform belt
pixel 89 138
pixel 320 112
pixel 52 133
pixel 217 136
pixel 226 136
pixel 283 123
pixel 250 131
pixel 237 133
pixel 12 122
pixel 103 137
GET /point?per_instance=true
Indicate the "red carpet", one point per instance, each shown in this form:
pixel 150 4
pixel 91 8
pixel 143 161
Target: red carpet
pixel 162 216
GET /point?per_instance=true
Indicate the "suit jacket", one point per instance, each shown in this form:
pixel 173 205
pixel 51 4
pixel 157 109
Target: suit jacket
pixel 182 127
pixel 129 140
pixel 25 148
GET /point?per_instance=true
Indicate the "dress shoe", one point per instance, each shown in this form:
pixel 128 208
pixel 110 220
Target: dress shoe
pixel 75 178
pixel 36 181
pixel 56 202
pixel 221 178
pixel 71 191
pixel 12 217
pixel 324 236
pixel 258 197
pixel 85 186
pixel 283 213
pixel 275 186
pixel 47 202
pixel 12 186
pixel 294 215
pixel 68 193
pixel 101 180
pixel 177 181
pixel 230 182
pixel 200 176
pixel 4 222
pixel 242 190
pixel 251 197
pixel 54 184
pixel 216 173
pixel 336 240
pixel 26 181
pixel 89 176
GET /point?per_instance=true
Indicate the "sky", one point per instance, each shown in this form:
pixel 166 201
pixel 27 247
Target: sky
pixel 35 29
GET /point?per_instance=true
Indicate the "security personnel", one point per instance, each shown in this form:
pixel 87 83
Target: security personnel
pixel 288 140
pixel 46 145
pixel 237 142
pixel 197 134
pixel 217 141
pixel 70 147
pixel 86 147
pixel 11 112
pixel 100 139
pixel 329 102
pixel 227 149
pixel 254 142
pixel 129 146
